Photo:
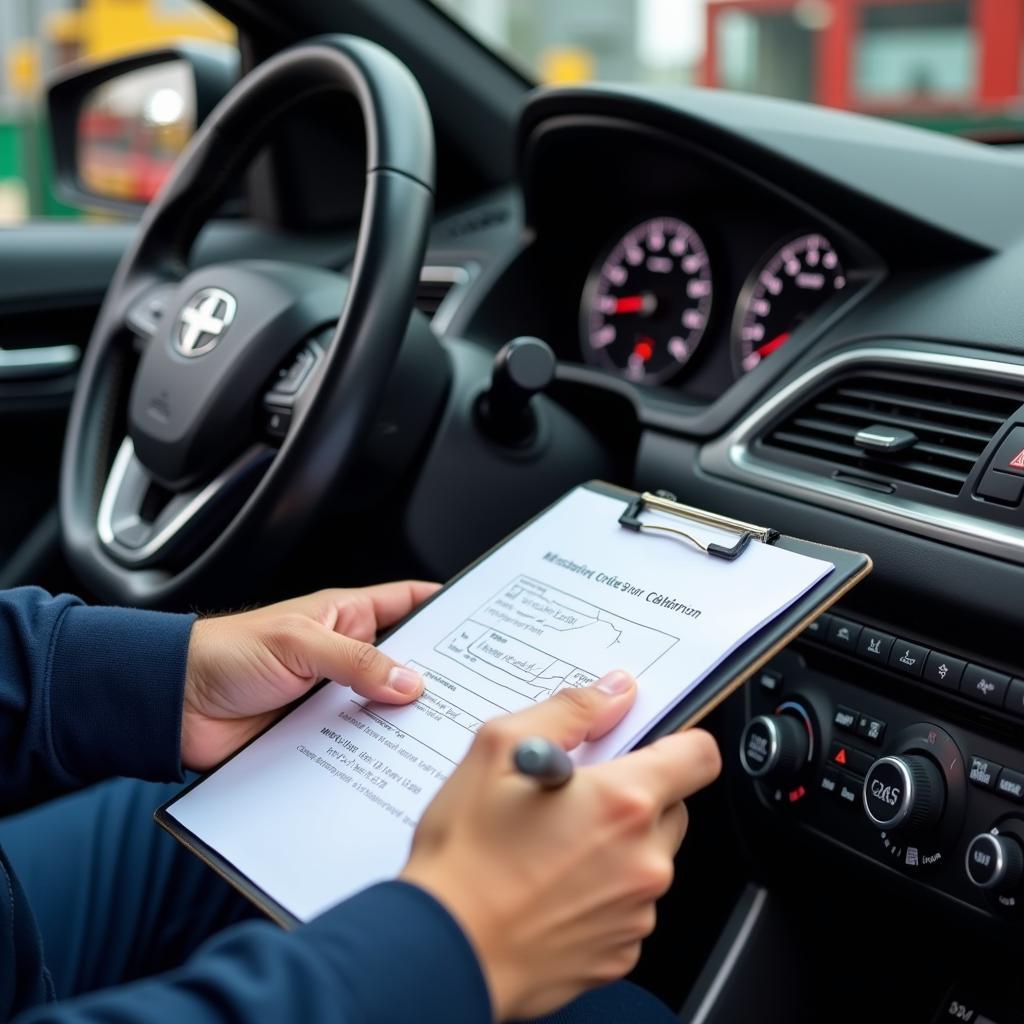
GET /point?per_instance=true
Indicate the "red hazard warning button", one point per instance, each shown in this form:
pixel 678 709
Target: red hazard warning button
pixel 1009 457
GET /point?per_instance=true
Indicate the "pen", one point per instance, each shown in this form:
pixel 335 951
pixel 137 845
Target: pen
pixel 544 761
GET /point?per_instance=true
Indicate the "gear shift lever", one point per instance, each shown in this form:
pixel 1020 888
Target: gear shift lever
pixel 522 367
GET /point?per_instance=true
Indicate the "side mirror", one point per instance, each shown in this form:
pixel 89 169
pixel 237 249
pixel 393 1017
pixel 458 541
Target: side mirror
pixel 116 128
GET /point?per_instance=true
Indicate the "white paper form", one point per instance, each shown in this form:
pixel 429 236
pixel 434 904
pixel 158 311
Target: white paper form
pixel 325 802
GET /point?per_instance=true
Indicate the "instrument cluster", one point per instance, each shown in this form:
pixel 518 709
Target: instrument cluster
pixel 653 297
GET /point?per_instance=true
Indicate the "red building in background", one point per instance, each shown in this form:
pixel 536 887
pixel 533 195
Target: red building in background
pixel 951 64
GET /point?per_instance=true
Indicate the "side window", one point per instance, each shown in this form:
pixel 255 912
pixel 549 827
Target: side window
pixel 40 37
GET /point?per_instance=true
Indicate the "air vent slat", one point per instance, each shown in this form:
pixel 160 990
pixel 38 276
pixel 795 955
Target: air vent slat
pixel 985 417
pixel 860 416
pixel 954 420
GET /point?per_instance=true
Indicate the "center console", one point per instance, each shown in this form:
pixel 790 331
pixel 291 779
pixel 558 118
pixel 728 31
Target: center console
pixel 900 751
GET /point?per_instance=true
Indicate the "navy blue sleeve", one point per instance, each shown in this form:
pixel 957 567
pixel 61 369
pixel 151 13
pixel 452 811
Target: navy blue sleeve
pixel 86 694
pixel 391 955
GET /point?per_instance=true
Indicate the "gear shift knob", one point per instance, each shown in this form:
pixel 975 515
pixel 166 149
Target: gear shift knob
pixel 522 367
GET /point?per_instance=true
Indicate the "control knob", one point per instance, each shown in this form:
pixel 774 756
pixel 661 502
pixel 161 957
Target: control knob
pixel 904 791
pixel 995 862
pixel 774 747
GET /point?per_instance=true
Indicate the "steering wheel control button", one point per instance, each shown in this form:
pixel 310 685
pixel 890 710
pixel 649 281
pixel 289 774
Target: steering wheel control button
pixel 908 658
pixel 844 634
pixel 871 729
pixel 845 718
pixel 904 791
pixel 994 862
pixel 1011 785
pixel 943 670
pixel 774 746
pixel 291 378
pixel 983 773
pixel 985 685
pixel 874 645
pixel 278 421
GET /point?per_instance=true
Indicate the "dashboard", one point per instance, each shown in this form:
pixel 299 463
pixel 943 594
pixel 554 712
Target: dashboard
pixel 671 270
pixel 792 316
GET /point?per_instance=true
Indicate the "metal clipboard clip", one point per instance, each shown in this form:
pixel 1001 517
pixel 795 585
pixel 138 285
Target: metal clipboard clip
pixel 665 501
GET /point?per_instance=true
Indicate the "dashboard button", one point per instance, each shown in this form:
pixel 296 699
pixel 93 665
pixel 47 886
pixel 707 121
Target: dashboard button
pixel 1011 784
pixel 819 628
pixel 874 645
pixel 1004 488
pixel 985 685
pixel 845 718
pixel 983 772
pixel 853 760
pixel 908 658
pixel 1015 697
pixel 1009 456
pixel 871 729
pixel 849 790
pixel 943 670
pixel 844 634
pixel 829 782
pixel 770 680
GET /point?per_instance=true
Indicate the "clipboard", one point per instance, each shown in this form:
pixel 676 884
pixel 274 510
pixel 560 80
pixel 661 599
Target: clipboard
pixel 748 658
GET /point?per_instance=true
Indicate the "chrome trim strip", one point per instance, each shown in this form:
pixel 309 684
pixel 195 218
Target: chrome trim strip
pixel 459 277
pixel 119 469
pixel 728 965
pixel 732 457
pixel 46 361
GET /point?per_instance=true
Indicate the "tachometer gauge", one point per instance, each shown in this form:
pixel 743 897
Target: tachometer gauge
pixel 646 304
pixel 780 294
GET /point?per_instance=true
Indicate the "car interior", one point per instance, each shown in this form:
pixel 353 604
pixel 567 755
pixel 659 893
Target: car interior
pixel 797 316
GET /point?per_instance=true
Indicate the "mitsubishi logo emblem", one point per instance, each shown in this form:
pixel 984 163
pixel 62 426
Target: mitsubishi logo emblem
pixel 203 321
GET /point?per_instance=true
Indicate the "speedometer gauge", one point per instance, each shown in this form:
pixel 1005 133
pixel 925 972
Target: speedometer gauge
pixel 646 304
pixel 780 294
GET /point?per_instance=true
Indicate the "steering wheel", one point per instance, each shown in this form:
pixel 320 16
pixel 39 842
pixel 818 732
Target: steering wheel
pixel 256 378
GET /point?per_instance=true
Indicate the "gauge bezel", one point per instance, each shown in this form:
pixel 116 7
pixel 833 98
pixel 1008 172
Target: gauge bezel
pixel 750 283
pixel 593 357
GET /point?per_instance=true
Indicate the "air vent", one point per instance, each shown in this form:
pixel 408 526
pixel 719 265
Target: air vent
pixel 952 420
pixel 436 288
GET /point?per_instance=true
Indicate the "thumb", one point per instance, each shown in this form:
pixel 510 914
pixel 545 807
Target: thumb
pixel 361 666
pixel 575 714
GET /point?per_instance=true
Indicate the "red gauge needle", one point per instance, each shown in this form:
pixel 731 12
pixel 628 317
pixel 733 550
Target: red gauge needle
pixel 777 342
pixel 629 304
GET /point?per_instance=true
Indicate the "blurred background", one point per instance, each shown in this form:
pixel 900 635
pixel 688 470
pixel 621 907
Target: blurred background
pixel 951 65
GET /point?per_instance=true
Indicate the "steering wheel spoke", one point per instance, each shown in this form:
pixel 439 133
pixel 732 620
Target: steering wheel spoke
pixel 141 523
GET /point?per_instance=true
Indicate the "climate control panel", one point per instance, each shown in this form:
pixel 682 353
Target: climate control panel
pixel 915 787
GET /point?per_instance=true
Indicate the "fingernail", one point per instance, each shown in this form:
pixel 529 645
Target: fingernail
pixel 404 681
pixel 615 682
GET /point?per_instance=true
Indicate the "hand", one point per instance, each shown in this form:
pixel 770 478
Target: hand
pixel 556 889
pixel 243 669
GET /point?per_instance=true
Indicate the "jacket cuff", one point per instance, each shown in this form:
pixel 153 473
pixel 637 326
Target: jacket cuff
pixel 431 969
pixel 117 683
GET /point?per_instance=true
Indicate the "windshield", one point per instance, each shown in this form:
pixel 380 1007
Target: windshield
pixel 952 65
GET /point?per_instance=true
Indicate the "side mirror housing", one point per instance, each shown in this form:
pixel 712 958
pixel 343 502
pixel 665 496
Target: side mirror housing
pixel 117 127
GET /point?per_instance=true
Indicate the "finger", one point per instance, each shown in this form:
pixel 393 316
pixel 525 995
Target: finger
pixel 671 828
pixel 673 768
pixel 393 601
pixel 575 714
pixel 361 666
